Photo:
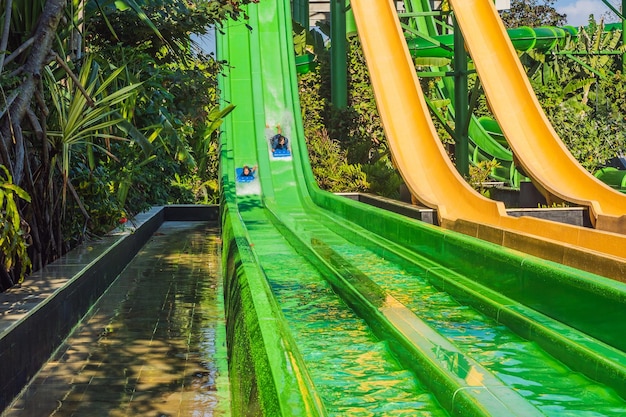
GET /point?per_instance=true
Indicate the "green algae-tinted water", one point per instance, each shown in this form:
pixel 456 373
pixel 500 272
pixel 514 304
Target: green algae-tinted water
pixel 522 365
pixel 352 370
pixel 548 384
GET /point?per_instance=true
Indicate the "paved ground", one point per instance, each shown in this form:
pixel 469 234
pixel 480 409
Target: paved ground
pixel 154 345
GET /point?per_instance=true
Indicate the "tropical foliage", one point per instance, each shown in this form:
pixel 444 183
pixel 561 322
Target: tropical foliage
pixel 580 86
pixel 353 135
pixel 13 231
pixel 107 107
pixel 593 133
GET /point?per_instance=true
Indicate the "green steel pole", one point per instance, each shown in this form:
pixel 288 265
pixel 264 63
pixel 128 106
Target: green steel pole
pixel 301 12
pixel 338 55
pixel 461 111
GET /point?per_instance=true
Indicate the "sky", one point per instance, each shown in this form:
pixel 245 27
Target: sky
pixel 578 11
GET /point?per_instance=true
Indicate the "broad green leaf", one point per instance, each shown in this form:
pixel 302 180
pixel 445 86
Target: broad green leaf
pixel 18 191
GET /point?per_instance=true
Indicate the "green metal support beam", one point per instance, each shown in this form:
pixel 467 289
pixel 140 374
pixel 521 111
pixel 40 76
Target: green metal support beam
pixel 420 14
pixel 351 29
pixel 621 16
pixel 585 53
pixel 461 110
pixel 338 55
pixel 588 67
pixel 613 9
pixel 301 12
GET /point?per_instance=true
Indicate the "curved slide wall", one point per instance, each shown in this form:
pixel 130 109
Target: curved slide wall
pixel 531 136
pixel 430 175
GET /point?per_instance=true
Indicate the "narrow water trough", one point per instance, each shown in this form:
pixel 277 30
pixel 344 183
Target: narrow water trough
pixel 36 317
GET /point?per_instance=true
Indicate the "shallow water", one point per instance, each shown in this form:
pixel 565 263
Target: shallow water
pixel 153 345
pixel 522 365
pixel 353 371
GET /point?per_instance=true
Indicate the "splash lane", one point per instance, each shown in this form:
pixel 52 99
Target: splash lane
pixel 337 308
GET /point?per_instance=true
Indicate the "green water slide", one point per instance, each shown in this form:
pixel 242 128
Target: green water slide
pixel 614 177
pixel 486 139
pixel 338 308
pixel 524 38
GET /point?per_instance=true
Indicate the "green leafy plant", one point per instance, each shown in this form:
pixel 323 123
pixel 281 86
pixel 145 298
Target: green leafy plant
pixel 98 200
pixel 13 233
pixel 480 175
pixel 74 127
pixel 593 134
pixel 533 13
pixel 87 113
pixel 330 166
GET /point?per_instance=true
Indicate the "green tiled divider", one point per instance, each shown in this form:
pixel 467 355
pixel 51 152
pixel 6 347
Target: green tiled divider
pixel 526 279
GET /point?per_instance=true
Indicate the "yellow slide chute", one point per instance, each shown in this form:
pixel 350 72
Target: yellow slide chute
pixel 532 138
pixel 430 175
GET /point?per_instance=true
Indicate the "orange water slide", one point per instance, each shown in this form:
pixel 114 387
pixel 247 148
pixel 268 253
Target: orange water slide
pixel 532 138
pixel 431 176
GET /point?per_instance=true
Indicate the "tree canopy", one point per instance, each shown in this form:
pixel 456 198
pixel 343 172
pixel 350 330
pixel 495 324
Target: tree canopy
pixel 533 13
pixel 107 108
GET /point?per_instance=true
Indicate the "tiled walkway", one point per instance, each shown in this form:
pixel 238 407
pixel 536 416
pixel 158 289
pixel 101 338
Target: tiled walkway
pixel 154 345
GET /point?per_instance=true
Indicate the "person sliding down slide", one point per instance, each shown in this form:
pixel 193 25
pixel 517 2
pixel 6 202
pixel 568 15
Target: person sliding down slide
pixel 280 144
pixel 245 174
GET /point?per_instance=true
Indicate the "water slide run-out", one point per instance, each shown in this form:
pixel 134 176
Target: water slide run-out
pixel 432 178
pixel 334 307
pixel 531 136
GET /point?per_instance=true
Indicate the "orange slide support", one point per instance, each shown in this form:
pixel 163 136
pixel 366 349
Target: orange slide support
pixel 430 175
pixel 532 138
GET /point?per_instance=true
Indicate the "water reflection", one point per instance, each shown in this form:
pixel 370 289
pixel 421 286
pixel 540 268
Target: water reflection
pixel 520 364
pixel 354 372
pixel 460 366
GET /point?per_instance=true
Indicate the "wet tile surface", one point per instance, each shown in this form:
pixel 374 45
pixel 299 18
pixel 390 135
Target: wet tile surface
pixel 153 345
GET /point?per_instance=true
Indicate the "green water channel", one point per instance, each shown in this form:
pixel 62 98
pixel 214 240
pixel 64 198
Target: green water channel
pixel 521 365
pixel 548 384
pixel 353 371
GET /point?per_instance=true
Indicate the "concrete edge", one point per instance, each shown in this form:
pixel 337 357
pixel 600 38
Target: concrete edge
pixel 577 216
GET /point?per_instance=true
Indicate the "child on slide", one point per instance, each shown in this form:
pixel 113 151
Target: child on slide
pixel 246 174
pixel 280 144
